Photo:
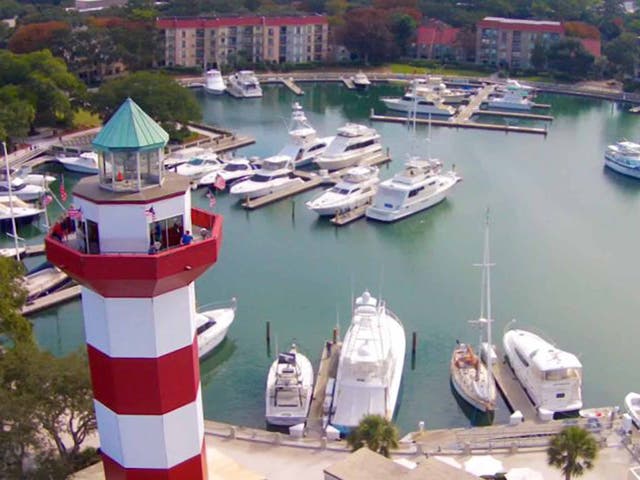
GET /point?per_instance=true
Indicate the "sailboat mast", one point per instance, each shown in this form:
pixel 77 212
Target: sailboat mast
pixel 13 218
pixel 487 266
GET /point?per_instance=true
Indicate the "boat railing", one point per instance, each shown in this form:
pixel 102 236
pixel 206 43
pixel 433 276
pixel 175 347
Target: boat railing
pixel 230 303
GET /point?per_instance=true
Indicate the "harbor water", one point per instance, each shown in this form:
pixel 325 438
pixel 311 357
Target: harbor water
pixel 564 239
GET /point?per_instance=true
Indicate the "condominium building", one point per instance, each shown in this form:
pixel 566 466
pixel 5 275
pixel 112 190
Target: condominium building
pixel 213 42
pixel 509 42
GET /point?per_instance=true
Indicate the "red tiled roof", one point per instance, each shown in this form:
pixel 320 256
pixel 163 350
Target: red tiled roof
pixel 591 45
pixel 522 25
pixel 240 21
pixel 437 36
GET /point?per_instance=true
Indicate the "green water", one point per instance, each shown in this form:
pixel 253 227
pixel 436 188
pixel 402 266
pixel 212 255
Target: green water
pixel 564 239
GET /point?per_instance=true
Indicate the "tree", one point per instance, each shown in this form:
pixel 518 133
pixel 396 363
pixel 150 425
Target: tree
pixel 573 451
pixel 567 58
pixel 376 433
pixel 403 27
pixel 623 53
pixel 35 36
pixel 366 33
pixel 539 56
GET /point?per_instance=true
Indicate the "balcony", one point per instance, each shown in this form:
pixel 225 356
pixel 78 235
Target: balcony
pixel 141 275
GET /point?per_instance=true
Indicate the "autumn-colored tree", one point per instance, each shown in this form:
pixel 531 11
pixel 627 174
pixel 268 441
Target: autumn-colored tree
pixel 366 32
pixel 581 30
pixel 36 36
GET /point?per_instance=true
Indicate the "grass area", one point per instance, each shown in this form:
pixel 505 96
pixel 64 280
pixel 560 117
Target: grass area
pixel 462 72
pixel 85 119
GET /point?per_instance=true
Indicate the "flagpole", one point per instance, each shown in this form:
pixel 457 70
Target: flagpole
pixel 13 218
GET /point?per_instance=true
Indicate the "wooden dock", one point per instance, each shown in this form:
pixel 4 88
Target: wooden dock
pixel 348 83
pixel 53 299
pixel 511 389
pixel 291 85
pixel 465 113
pixel 350 216
pixel 328 369
pixel 522 115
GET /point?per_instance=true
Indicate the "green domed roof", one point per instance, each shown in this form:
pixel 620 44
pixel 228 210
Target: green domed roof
pixel 130 128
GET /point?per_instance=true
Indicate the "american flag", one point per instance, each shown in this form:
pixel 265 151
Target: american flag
pixel 220 183
pixel 212 199
pixel 150 213
pixel 46 199
pixel 63 192
pixel 74 213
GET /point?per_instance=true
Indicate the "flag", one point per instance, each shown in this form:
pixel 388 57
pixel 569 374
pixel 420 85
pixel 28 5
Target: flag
pixel 150 213
pixel 63 192
pixel 220 183
pixel 212 199
pixel 74 213
pixel 46 199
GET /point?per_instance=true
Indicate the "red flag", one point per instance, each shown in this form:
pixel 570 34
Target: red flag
pixel 212 199
pixel 63 192
pixel 220 183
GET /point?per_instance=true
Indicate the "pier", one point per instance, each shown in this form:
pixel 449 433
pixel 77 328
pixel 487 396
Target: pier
pixel 522 115
pixel 328 369
pixel 291 85
pixel 53 299
pixel 351 216
pixel 465 113
pixel 348 83
pixel 511 389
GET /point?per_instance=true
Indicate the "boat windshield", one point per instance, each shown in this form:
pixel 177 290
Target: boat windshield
pixel 196 161
pixel 261 178
pixel 235 167
pixel 205 326
pixel 561 374
pixel 340 190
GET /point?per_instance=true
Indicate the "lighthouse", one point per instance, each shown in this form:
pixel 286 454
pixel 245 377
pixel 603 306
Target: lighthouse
pixel 137 246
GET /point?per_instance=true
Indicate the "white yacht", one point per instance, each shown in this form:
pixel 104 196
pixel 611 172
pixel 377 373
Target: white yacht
pixel 244 84
pixel 551 377
pixel 25 174
pixel 435 85
pixel 200 165
pixel 632 406
pixel 214 82
pixel 370 365
pixel 624 157
pixel 421 185
pixel 22 211
pixel 356 188
pixel 472 377
pixel 86 162
pixel 275 174
pixel 425 104
pixel 20 190
pixel 212 326
pixel 182 156
pixel 289 389
pixel 353 144
pixel 304 145
pixel 360 81
pixel 510 101
pixel 233 169
pixel 515 87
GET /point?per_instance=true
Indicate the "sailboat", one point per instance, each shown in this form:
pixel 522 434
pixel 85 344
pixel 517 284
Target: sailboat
pixel 470 376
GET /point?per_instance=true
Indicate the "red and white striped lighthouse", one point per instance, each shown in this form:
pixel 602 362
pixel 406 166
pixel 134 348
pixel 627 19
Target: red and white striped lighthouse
pixel 131 252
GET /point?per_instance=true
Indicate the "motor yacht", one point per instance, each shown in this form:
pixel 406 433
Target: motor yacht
pixel 472 377
pixel 212 326
pixel 435 85
pixel 25 174
pixel 356 188
pixel 20 190
pixel 182 156
pixel 22 211
pixel 244 84
pixel 214 82
pixel 197 167
pixel 304 145
pixel 421 185
pixel 275 174
pixel 353 144
pixel 370 365
pixel 515 87
pixel 632 406
pixel 86 162
pixel 289 389
pixel 424 104
pixel 360 81
pixel 234 169
pixel 551 377
pixel 624 158
pixel 510 101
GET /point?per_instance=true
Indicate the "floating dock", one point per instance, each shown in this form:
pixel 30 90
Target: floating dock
pixel 53 299
pixel 522 115
pixel 291 85
pixel 328 369
pixel 511 389
pixel 465 113
pixel 348 83
pixel 350 216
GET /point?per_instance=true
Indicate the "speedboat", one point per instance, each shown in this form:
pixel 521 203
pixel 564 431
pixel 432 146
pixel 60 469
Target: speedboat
pixel 289 389
pixel 632 406
pixel 244 84
pixel 233 169
pixel 212 327
pixel 304 145
pixel 470 376
pixel 214 82
pixel 275 174
pixel 551 377
pixel 86 162
pixel 421 185
pixel 21 210
pixel 353 144
pixel 356 188
pixel 424 104
pixel 20 190
pixel 370 365
pixel 624 157
pixel 510 101
pixel 200 165
pixel 360 81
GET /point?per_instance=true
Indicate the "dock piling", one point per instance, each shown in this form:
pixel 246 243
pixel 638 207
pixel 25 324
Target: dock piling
pixel 268 338
pixel 414 342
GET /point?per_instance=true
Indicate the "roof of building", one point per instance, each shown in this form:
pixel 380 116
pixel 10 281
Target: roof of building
pixel 366 465
pixel 197 22
pixel 130 128
pixel 521 24
pixel 437 34
pixel 592 45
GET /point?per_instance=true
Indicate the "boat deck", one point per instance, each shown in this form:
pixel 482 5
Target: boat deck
pixel 328 369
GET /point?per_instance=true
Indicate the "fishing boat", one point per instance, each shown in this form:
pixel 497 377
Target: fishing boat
pixel 212 326
pixel 214 82
pixel 289 389
pixel 632 406
pixel 360 81
pixel 275 174
pixel 623 157
pixel 355 189
pixel 244 84
pixel 370 365
pixel 352 145
pixel 551 377
pixel 471 377
pixel 86 162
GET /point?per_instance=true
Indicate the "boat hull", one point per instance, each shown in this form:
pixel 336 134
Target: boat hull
pixel 215 91
pixel 74 167
pixel 615 166
pixel 336 208
pixel 340 162
pixel 509 106
pixel 632 406
pixel 212 337
pixel 407 107
pixel 264 190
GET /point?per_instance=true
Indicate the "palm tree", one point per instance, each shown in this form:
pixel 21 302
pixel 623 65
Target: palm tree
pixel 376 433
pixel 573 451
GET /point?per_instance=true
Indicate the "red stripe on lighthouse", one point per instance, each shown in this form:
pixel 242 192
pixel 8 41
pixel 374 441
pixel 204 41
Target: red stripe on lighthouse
pixel 145 386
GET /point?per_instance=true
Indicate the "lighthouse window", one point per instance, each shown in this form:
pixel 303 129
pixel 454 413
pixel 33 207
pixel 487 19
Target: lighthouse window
pixel 167 231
